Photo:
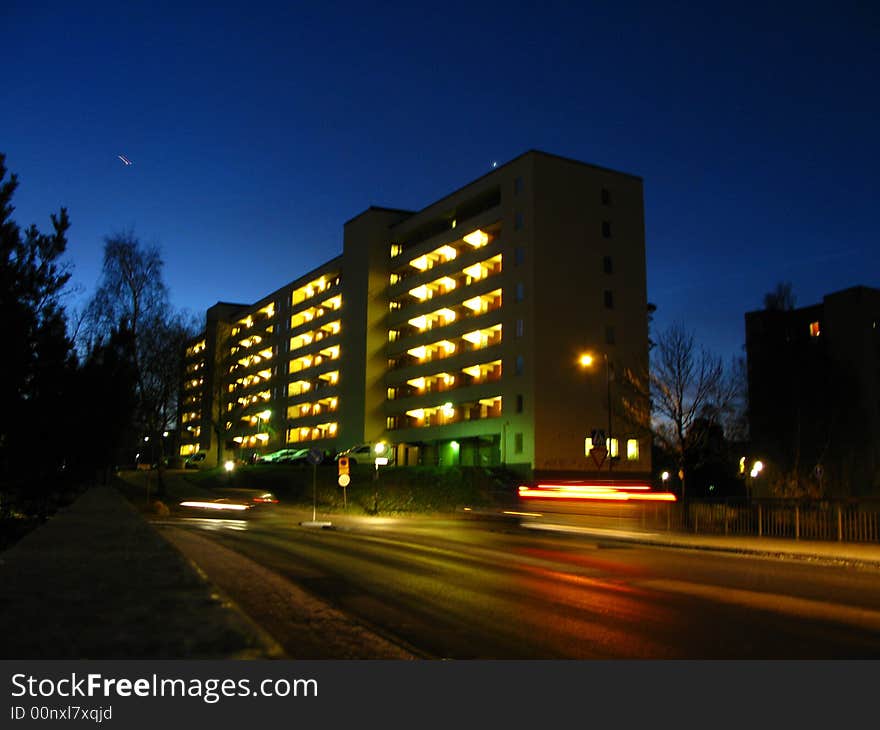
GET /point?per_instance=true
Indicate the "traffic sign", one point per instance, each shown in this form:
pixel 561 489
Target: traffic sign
pixel 315 457
pixel 344 480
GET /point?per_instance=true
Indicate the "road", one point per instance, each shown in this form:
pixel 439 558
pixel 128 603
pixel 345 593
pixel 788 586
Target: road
pixel 478 589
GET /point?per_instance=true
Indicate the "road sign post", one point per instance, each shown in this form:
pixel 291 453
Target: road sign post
pixel 598 453
pixel 344 478
pixel 314 457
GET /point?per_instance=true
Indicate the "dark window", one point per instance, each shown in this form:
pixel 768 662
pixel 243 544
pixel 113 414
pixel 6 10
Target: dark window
pixel 520 291
pixel 606 196
pixel 609 299
pixel 606 229
pixel 519 255
pixel 520 364
pixel 609 335
pixel 519 328
pixel 607 265
pixel 519 404
pixel 517 443
pixel 518 222
pixel 518 185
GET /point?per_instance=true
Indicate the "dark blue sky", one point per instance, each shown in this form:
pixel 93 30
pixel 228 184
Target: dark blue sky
pixel 256 131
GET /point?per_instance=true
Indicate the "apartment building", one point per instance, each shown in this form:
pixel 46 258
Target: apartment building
pixel 814 392
pixel 456 333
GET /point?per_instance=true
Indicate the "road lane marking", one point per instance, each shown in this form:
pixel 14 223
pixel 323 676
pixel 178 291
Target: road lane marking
pixel 803 607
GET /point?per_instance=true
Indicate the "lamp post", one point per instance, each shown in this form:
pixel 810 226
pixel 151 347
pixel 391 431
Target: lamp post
pixel 586 361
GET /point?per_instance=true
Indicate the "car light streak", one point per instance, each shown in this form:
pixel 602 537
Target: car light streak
pixel 216 505
pixel 623 492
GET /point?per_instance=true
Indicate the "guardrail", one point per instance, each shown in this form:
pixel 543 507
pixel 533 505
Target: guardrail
pixel 851 520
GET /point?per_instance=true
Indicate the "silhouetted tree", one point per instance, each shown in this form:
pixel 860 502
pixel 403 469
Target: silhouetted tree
pixel 687 387
pixel 107 389
pixel 131 296
pixel 781 299
pixel 37 362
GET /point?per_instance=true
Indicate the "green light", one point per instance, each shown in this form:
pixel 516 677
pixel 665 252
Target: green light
pixel 454 445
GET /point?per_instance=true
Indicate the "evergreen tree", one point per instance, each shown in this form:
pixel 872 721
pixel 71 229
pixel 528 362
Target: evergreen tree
pixel 37 362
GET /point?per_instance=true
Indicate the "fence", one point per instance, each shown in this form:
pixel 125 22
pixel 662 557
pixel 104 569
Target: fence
pixel 838 520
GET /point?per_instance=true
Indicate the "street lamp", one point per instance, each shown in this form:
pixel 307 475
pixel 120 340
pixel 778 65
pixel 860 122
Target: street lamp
pixel 586 361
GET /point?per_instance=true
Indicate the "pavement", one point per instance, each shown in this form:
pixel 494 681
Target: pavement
pixel 98 581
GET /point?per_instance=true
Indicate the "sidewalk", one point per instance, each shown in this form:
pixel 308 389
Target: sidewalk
pixel 97 582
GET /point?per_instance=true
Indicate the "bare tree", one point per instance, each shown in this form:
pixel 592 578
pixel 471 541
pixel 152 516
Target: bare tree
pixel 689 392
pixel 781 299
pixel 131 294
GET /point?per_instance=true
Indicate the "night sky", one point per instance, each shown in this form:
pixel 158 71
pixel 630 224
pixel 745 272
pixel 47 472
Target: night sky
pixel 257 131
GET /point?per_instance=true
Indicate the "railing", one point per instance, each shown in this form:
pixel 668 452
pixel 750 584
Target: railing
pixel 844 520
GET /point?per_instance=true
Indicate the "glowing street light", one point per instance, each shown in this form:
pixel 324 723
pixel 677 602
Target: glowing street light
pixel 665 476
pixel 229 466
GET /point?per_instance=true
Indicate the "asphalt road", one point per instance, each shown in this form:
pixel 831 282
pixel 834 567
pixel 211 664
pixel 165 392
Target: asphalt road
pixel 472 589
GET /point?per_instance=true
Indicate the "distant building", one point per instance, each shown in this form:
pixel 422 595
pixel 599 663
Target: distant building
pixel 453 333
pixel 814 391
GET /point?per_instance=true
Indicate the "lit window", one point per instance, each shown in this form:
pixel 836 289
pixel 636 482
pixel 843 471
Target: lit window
pixel 814 329
pixel 475 304
pixel 448 253
pixel 419 322
pixel 476 239
pixel 632 450
pixel 612 447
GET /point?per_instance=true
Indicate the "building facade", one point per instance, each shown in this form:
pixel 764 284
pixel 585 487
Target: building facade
pixel 456 333
pixel 814 393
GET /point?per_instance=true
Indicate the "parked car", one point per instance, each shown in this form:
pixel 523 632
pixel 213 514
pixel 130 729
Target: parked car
pixel 296 456
pixel 365 454
pixel 195 461
pixel 277 456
